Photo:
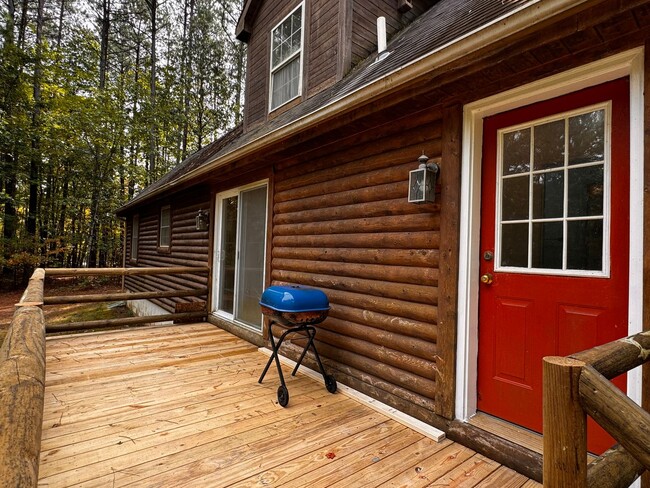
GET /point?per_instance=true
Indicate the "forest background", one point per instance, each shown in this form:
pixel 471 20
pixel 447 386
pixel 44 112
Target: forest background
pixel 98 99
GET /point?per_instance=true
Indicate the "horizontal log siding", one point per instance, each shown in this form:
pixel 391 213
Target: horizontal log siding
pixel 188 247
pixel 342 223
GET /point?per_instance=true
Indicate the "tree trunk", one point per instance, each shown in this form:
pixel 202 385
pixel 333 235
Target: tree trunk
pixel 59 33
pixel 153 7
pixel 103 53
pixel 35 159
pixel 7 150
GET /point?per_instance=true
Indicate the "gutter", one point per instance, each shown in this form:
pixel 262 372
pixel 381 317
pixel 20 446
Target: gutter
pixel 500 28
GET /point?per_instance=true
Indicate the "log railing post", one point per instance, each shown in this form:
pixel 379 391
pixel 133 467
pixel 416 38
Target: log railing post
pixel 565 425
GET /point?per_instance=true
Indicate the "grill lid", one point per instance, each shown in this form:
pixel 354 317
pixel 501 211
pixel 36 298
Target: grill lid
pixel 294 298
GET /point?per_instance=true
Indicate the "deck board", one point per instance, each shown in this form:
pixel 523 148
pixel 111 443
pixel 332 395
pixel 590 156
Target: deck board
pixel 181 407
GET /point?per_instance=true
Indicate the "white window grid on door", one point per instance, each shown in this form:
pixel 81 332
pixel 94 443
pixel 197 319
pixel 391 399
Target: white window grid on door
pixel 604 272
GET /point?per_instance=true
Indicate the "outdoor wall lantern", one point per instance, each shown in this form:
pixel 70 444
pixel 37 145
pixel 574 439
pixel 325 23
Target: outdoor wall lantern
pixel 422 182
pixel 202 220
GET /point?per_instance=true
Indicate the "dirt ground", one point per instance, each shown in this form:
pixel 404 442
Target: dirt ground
pixel 7 301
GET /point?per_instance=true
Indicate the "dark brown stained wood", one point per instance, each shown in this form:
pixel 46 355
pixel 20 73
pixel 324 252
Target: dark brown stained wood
pixel 376 320
pixel 342 198
pixel 404 362
pixel 383 240
pixel 386 257
pixel 344 59
pixel 448 273
pixel 388 306
pixel 322 45
pixel 399 274
pixel 342 224
pixel 372 178
pixel 338 35
pixel 418 128
pixel 406 223
pixel 395 375
pixel 411 293
pixel 399 342
pixel 397 206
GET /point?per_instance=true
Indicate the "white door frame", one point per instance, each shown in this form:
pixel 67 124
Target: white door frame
pixel 628 63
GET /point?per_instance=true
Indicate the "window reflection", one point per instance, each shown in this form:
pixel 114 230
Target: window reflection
pixel 552 211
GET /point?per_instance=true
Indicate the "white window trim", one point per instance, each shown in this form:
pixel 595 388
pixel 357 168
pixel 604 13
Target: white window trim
pixel 160 227
pixel 216 269
pixel 628 63
pixel 301 54
pixel 605 271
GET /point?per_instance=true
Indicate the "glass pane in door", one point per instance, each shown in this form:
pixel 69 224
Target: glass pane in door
pixel 228 254
pixel 251 256
pixel 553 214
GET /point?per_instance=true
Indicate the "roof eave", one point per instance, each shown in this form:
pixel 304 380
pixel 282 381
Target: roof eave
pixel 501 28
pixel 246 19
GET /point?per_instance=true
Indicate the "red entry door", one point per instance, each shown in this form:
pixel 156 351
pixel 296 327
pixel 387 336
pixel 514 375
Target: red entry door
pixel 554 243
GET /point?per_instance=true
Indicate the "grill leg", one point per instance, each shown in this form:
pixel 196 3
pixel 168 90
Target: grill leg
pixel 330 382
pixel 311 332
pixel 274 355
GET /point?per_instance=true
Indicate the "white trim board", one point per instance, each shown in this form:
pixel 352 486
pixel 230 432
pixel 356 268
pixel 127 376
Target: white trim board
pixel 390 412
pixel 628 63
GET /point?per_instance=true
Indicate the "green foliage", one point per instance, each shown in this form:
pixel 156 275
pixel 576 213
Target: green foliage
pixel 86 146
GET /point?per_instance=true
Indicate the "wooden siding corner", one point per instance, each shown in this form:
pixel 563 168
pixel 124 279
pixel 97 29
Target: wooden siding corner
pixel 450 169
pixel 646 235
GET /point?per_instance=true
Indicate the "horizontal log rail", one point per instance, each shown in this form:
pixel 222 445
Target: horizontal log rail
pixel 577 386
pixel 111 297
pixel 22 358
pixel 126 271
pixel 138 295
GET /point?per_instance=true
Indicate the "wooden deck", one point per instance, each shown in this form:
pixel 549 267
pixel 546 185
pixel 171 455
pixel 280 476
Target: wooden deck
pixel 181 406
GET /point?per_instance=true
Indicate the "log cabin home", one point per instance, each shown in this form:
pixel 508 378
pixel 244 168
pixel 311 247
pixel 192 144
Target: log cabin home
pixel 537 240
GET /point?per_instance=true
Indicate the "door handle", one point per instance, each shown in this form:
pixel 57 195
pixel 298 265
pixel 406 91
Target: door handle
pixel 487 279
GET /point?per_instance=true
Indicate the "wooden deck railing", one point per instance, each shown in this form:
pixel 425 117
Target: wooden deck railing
pixel 22 361
pixel 578 385
pixel 22 389
pixel 95 324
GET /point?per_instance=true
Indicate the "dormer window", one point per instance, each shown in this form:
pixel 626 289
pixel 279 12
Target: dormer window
pixel 286 59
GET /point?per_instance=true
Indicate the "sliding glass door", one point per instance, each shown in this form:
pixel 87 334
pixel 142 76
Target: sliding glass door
pixel 239 263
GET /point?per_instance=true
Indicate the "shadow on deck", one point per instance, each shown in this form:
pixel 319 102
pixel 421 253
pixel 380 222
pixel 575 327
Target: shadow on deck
pixel 181 406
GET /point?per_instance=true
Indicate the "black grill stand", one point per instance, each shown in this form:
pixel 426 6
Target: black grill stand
pixel 283 393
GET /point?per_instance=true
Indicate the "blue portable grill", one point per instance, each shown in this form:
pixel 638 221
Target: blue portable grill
pixel 299 308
